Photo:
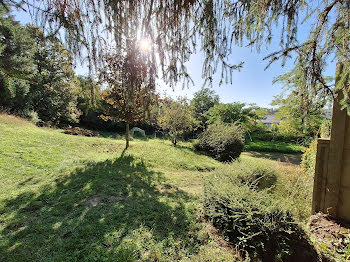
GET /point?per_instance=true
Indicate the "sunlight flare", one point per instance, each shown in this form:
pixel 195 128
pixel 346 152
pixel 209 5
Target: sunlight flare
pixel 145 44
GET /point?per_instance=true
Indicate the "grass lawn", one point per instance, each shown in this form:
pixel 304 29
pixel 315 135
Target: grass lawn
pixel 277 156
pixel 273 146
pixel 69 198
pixel 72 198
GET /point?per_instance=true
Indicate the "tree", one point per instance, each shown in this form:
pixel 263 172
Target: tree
pixel 175 27
pixel 300 104
pixel 16 63
pixel 90 91
pixel 89 95
pixel 176 118
pixel 202 101
pixel 131 87
pixel 289 127
pixel 35 73
pixel 228 113
pixel 54 91
pixel 215 25
pixel 236 112
pixel 255 113
pixel 328 36
pixel 294 121
pixel 91 104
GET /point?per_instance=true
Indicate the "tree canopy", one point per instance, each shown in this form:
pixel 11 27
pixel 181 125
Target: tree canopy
pixel 229 113
pixel 16 62
pixel 178 28
pixel 300 104
pixel 55 89
pixel 36 73
pixel 131 88
pixel 202 101
pixel 177 118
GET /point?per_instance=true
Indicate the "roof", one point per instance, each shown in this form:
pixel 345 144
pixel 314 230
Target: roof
pixel 270 119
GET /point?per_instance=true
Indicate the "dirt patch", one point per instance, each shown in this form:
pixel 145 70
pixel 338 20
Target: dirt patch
pixel 212 231
pixel 96 200
pixel 77 131
pixel 92 202
pixel 328 233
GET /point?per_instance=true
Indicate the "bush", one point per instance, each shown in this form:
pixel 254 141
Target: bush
pixel 33 117
pixel 325 129
pixel 221 141
pixel 254 172
pixel 269 136
pixel 290 127
pixel 308 160
pixel 249 215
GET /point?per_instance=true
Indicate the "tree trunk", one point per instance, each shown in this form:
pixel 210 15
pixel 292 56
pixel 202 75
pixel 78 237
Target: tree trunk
pixel 127 134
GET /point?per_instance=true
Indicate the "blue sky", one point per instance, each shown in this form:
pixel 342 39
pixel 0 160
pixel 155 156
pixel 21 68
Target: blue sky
pixel 252 84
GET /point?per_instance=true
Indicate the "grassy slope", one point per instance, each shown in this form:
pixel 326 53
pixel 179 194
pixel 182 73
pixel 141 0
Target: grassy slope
pixel 74 198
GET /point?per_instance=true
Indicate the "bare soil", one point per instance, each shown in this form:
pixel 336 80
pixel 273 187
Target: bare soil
pixel 332 234
pixel 77 131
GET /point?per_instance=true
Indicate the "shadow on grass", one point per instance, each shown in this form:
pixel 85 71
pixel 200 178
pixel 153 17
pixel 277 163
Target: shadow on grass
pixel 92 209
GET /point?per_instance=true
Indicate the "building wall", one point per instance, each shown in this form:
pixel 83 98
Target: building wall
pixel 344 197
pixel 332 177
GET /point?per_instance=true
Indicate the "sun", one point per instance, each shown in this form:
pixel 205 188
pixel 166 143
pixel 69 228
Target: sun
pixel 145 44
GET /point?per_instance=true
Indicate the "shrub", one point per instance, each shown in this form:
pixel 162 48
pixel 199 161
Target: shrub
pixel 254 172
pixel 289 127
pixel 266 136
pixel 308 160
pixel 325 129
pixel 33 117
pixel 251 217
pixel 221 141
pixel 269 136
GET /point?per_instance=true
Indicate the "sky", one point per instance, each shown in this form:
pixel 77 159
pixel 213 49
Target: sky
pixel 251 85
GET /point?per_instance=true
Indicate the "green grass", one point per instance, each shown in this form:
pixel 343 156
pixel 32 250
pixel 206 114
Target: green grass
pixel 273 146
pixel 69 198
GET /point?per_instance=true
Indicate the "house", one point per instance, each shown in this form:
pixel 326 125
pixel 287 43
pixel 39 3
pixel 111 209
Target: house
pixel 270 119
